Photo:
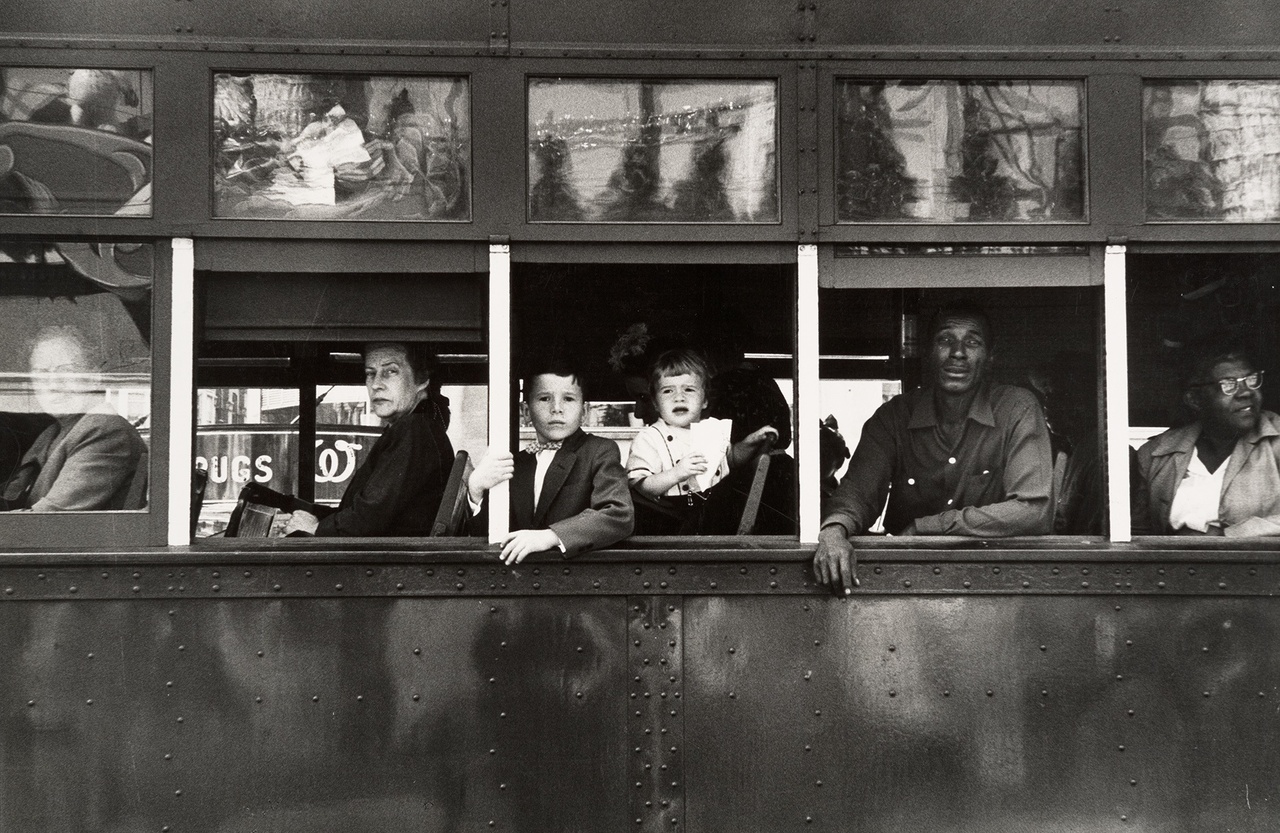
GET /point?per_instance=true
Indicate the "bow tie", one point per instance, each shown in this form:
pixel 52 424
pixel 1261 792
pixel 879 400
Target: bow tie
pixel 537 446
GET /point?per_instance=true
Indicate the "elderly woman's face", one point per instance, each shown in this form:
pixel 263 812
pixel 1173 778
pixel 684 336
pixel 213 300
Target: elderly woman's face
pixel 1239 412
pixel 62 378
pixel 393 390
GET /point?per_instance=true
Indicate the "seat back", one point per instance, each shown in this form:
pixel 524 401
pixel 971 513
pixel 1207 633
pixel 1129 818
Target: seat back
pixel 451 517
pixel 751 508
pixel 136 497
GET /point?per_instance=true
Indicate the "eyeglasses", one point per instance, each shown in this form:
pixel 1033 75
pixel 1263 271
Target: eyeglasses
pixel 1229 386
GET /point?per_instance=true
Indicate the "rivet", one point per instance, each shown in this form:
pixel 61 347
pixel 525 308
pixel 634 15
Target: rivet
pixel 1191 571
pixel 1129 712
pixel 877 570
pixel 89 702
pixel 72 588
pixel 315 698
pixel 177 792
pixel 399 585
pixel 817 712
pixel 1133 782
pixel 742 570
pixel 995 570
pixel 309 574
pixel 1026 584
pixel 416 697
pixel 946 692
pixel 182 647
pixel 1205 649
pixel 359 698
pixel 247 573
pixel 893 693
pixel 1222 585
pixel 431 572
pixel 168 684
pixel 1044 692
pixel 647 585
pixel 817 642
pixel 817 783
pixel 714 585
pixel 596 585
pixel 257 699
pixel 1120 747
pixel 990 693
pixel 180 720
pixel 1119 677
pixel 773 585
pixel 1084 584
pixel 168 756
pixel 1084 571
pixel 417 651
pixel 967 585
pixel 216 588
pixel 337 587
pixel 578 695
pixel 937 571
pixel 733 696
pixel 637 571
pixel 135 588
pixel 90 655
pixel 493 752
pixel 1206 694
pixel 1160 584
pixel 275 587
pixel 663 585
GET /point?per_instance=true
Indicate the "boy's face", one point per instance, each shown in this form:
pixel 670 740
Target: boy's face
pixel 680 399
pixel 555 406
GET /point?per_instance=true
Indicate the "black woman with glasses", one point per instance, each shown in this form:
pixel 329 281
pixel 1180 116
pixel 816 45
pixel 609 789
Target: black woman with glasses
pixel 1219 475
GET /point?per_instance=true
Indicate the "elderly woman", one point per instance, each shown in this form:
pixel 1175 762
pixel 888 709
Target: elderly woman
pixel 398 487
pixel 1220 475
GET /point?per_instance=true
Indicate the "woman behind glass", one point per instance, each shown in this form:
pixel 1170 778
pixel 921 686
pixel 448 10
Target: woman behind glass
pixel 397 489
pixel 1219 475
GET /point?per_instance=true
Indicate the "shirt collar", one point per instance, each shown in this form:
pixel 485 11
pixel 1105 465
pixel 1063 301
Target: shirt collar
pixel 924 415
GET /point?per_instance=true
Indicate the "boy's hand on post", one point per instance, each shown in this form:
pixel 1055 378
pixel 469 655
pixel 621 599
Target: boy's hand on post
pixel 491 469
pixel 520 543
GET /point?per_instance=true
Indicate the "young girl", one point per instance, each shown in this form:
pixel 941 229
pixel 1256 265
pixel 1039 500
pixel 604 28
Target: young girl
pixel 672 462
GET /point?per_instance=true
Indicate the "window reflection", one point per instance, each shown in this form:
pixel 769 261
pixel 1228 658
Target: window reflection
pixel 624 151
pixel 1212 150
pixel 75 377
pixel 335 147
pixel 959 151
pixel 75 141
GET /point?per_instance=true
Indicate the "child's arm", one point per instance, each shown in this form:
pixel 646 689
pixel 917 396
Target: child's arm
pixel 741 452
pixel 610 517
pixel 491 469
pixel 656 485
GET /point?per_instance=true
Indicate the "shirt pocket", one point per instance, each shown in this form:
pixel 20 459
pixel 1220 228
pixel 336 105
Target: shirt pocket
pixel 983 486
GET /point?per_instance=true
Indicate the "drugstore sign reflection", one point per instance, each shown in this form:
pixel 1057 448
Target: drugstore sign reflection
pixel 236 455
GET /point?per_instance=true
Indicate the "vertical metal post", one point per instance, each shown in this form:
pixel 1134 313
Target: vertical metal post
pixel 808 404
pixel 181 394
pixel 499 378
pixel 1116 339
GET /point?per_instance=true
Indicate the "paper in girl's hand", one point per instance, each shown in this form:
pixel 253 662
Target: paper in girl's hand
pixel 710 438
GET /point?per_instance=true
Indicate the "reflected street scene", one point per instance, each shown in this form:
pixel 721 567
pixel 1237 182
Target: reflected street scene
pixel 627 151
pixel 337 147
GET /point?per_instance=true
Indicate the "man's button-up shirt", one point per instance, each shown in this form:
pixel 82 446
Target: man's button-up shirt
pixel 995 481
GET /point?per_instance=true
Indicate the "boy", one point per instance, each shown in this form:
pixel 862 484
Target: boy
pixel 568 491
pixel 670 459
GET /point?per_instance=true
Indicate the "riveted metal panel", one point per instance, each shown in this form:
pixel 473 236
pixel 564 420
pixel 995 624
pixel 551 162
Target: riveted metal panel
pixel 657 22
pixel 320 20
pixel 980 714
pixel 318 715
pixel 655 725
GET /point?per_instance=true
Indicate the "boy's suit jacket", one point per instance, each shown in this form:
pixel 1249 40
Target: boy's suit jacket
pixel 585 498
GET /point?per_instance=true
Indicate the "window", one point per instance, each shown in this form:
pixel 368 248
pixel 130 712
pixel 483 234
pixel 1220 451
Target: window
pixel 281 399
pixel 1043 345
pixel 943 151
pixel 75 141
pixel 632 151
pixel 75 380
pixel 614 321
pixel 1212 150
pixel 341 147
pixel 1194 319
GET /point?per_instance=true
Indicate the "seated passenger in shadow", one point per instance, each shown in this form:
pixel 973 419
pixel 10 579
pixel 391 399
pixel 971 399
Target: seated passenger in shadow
pixel 963 456
pixel 678 458
pixel 568 490
pixel 1219 474
pixel 833 451
pixel 751 400
pixel 1068 387
pixel 398 488
pixel 89 457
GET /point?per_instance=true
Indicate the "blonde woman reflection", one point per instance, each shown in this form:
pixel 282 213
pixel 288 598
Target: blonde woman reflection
pixel 90 457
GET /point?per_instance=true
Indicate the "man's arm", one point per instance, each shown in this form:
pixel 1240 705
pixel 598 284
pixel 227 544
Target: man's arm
pixel 1028 484
pixel 856 503
pixel 610 517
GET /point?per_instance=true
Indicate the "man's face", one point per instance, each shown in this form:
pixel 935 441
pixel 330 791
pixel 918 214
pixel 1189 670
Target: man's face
pixel 555 406
pixel 1237 414
pixel 960 355
pixel 64 383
